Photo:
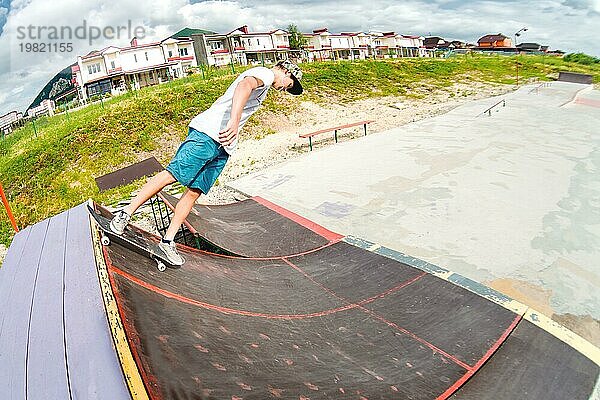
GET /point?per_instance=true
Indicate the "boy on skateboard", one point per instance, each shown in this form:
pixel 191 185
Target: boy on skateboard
pixel 212 138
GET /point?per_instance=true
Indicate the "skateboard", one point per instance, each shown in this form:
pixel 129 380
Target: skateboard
pixel 132 238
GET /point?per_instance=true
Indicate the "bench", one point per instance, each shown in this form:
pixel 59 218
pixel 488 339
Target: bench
pixel 335 130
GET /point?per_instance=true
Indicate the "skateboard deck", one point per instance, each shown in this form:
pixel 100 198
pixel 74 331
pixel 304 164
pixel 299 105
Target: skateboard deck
pixel 132 238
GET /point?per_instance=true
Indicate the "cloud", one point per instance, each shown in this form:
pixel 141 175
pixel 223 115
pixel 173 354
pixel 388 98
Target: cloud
pixel 564 24
pixel 3 14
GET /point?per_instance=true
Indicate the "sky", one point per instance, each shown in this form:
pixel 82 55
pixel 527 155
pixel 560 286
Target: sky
pixel 568 25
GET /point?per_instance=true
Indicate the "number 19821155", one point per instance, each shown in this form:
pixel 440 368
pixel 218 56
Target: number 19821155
pixel 45 47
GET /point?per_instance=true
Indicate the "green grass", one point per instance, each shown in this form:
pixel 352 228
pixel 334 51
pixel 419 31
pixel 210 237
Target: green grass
pixel 53 170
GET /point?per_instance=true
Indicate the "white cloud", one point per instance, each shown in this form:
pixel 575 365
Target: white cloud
pixel 564 24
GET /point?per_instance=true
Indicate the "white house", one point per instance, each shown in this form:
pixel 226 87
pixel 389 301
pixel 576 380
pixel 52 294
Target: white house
pixel 241 46
pixel 8 120
pixel 117 69
pixel 341 46
pixel 265 47
pixel 410 46
pixel 383 44
pixel 318 44
pixel 359 43
pixel 46 107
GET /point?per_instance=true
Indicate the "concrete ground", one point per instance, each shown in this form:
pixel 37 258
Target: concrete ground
pixel 510 199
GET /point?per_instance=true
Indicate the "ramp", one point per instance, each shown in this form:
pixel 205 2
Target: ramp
pixel 255 228
pixel 340 321
pixel 55 342
pixel 574 77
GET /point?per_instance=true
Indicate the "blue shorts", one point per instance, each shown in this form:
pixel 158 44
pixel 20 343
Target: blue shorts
pixel 198 161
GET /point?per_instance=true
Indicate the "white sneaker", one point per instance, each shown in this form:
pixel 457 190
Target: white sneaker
pixel 171 253
pixel 119 222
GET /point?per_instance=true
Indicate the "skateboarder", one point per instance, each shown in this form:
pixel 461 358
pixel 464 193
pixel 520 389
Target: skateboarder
pixel 212 138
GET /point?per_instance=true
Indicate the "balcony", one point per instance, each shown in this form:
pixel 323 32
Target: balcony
pixel 239 48
pixel 220 51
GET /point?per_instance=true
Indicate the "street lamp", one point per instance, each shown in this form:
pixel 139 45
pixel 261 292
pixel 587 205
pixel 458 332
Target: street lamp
pixel 518 33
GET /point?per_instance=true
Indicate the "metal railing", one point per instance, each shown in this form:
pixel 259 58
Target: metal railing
pixel 538 87
pixel 489 110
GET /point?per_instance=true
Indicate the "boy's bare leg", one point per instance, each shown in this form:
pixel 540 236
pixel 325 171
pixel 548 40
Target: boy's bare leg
pixel 153 186
pixel 182 210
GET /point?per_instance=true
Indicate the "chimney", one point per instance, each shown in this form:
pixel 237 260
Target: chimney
pixel 320 30
pixel 244 28
pixel 133 42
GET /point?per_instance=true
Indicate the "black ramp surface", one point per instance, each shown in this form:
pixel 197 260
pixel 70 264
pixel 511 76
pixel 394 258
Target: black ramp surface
pixel 189 351
pixel 251 229
pixel 321 325
pixel 451 318
pixel 532 364
pixel 258 287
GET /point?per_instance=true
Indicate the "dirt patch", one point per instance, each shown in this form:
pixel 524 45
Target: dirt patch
pixel 538 298
pixel 585 326
pixel 524 292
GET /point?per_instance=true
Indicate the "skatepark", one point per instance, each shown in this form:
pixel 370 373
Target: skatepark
pixel 361 270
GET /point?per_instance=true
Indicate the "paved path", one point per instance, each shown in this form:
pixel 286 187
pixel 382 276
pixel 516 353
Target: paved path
pixel 511 200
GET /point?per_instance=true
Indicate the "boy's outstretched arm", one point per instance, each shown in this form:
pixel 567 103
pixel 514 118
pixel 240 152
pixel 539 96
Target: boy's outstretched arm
pixel 240 97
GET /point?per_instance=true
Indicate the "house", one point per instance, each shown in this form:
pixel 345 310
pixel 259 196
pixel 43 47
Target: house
pixel 46 107
pixel 241 46
pixel 341 46
pixel 318 44
pixel 261 47
pixel 532 48
pixel 359 44
pixel 411 46
pixel 114 69
pixel 457 44
pixel 383 44
pixel 495 42
pixel 436 43
pixel 9 120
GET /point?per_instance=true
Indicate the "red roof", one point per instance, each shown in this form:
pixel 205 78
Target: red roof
pixel 492 38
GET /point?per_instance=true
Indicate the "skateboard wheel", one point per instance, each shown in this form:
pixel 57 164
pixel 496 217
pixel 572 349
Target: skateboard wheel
pixel 105 240
pixel 161 266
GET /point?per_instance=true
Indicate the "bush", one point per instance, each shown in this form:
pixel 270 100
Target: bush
pixel 581 58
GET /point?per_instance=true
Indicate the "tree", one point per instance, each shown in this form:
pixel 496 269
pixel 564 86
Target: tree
pixel 297 41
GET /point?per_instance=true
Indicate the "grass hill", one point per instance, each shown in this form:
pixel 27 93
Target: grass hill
pixel 52 168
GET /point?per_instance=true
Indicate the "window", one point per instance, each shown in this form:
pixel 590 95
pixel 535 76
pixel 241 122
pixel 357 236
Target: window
pixel 135 57
pixel 170 53
pixel 112 64
pixel 90 69
pixel 258 42
pixel 183 51
pixel 146 54
pixel 216 45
